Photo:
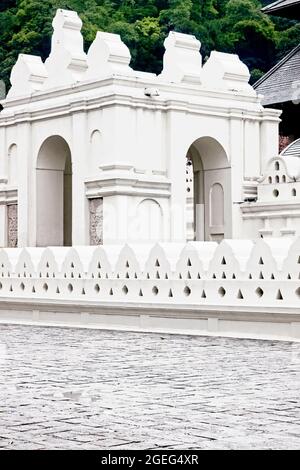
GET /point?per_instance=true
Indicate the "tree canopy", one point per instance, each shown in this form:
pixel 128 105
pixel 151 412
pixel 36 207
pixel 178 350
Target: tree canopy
pixel 226 25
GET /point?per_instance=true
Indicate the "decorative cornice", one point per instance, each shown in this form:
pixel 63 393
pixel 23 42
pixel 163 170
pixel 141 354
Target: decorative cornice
pixel 131 185
pixel 115 99
pixel 270 210
pixel 117 91
pixel 8 196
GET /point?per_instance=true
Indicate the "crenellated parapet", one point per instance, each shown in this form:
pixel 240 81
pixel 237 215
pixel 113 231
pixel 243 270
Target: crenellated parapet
pixel 240 287
pixel 108 56
pixel 228 273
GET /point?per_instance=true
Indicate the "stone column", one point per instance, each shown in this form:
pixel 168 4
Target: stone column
pixel 3 226
pixel 26 193
pixel 176 156
pixel 232 205
pixel 80 226
pixel 269 142
pixel 3 176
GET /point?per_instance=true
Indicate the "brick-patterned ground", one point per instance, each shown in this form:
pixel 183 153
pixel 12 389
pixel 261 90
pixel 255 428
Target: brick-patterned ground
pixel 89 389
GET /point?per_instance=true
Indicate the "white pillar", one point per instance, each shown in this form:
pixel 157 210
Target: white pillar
pixel 3 176
pixel 80 235
pixel 26 204
pixel 3 226
pixel 3 154
pixel 176 156
pixel 233 220
pixel 269 147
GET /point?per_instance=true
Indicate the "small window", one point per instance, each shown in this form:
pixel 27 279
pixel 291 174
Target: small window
pixel 270 179
pixel 275 193
pixel 284 179
pixel 276 179
pixel 277 167
pixel 294 192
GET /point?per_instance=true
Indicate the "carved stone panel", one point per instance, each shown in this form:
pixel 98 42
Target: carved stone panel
pixel 12 225
pixel 96 221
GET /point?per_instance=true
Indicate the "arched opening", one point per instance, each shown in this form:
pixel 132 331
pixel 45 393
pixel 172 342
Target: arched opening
pixel 208 165
pixel 147 224
pixel 54 193
pixel 13 165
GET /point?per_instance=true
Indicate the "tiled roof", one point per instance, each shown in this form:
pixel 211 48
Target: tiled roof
pixel 287 8
pixel 293 150
pixel 282 82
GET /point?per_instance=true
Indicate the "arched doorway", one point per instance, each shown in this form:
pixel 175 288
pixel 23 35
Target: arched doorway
pixel 209 192
pixel 54 193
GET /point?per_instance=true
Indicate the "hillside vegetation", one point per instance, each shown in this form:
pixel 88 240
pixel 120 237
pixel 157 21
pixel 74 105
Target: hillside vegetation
pixel 226 25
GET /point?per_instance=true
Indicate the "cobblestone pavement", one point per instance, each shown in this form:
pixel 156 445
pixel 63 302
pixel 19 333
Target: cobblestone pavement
pixel 91 389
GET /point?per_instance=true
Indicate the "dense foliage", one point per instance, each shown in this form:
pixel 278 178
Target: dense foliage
pixel 226 25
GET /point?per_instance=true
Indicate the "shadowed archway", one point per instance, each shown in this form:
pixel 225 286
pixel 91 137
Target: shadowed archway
pixel 54 193
pixel 208 181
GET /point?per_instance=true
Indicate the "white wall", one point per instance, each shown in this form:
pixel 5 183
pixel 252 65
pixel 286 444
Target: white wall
pixel 129 132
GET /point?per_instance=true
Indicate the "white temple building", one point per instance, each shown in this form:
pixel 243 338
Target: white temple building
pixel 92 151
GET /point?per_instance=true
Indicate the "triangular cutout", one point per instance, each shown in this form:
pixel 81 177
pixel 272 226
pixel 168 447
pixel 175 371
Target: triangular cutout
pixel 289 276
pixel 240 295
pixel 233 276
pixel 189 262
pixel 214 276
pixel 141 293
pixel 198 276
pixel 111 292
pixel 157 263
pixel 157 275
pixel 223 276
pixel 33 290
pixel 127 264
pixel 261 261
pixel 189 275
pixel 203 295
pixel 223 260
pixel 279 295
pixel 261 276
pixel 272 277
pixel 250 276
pixel 83 292
pixel 57 290
pixel 170 293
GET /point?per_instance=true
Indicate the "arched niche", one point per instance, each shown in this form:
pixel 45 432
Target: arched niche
pixel 13 165
pixel 148 222
pixel 54 193
pixel 211 188
pixel 95 148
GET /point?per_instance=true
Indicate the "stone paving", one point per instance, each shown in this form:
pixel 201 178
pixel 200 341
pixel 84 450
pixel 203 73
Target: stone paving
pixel 91 389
